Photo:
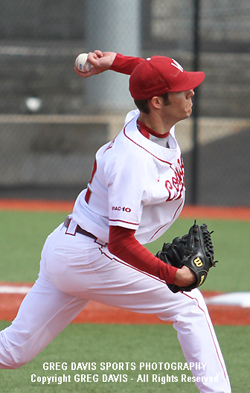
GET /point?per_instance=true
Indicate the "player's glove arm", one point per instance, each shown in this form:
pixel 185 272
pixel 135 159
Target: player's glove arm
pixel 124 245
pixel 193 253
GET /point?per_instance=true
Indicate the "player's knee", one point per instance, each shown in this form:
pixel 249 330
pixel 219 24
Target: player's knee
pixel 15 366
pixel 12 360
pixel 193 315
pixel 13 363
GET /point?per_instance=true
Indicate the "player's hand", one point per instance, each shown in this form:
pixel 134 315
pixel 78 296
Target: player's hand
pixel 184 277
pixel 100 62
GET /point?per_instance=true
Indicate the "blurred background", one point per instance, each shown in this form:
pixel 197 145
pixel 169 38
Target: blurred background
pixel 52 121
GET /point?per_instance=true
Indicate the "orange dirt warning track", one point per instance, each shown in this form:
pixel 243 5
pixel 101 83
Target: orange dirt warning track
pixel 221 213
pixel 98 313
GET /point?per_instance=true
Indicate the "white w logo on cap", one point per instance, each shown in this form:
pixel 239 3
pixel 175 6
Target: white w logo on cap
pixel 177 65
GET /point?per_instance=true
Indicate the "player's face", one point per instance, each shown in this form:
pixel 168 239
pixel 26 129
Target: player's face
pixel 180 105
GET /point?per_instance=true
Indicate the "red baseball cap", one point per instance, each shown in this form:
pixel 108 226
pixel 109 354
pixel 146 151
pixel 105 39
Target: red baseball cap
pixel 158 75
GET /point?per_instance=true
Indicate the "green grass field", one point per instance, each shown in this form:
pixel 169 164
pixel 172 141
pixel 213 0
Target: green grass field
pixel 127 344
pixel 22 237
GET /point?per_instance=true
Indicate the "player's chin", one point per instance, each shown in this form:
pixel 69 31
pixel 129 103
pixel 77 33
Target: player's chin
pixel 189 112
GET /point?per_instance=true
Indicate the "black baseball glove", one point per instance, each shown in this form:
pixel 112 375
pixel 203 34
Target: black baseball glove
pixel 195 250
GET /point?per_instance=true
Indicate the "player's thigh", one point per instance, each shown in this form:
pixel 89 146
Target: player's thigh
pixel 105 279
pixel 136 291
pixel 80 267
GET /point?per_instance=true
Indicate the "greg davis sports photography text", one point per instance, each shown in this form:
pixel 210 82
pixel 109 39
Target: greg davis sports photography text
pixel 117 372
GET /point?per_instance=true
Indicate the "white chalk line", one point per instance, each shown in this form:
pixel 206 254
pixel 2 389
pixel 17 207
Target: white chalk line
pixel 14 289
pixel 240 299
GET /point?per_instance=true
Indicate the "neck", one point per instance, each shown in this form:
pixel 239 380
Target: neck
pixel 155 123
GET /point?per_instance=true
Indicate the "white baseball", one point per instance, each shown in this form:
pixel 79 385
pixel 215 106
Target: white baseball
pixel 82 64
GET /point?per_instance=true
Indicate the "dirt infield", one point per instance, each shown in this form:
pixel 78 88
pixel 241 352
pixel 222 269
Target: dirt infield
pixel 99 313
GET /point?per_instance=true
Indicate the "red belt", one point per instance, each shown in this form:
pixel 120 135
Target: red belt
pixel 79 229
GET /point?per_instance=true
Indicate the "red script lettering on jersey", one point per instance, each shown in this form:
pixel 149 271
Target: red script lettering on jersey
pixel 176 185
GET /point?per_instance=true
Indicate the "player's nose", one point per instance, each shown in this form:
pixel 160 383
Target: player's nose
pixel 190 93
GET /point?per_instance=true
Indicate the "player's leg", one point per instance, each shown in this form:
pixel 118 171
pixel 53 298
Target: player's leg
pixel 43 314
pixel 114 283
pixel 200 345
pixel 190 318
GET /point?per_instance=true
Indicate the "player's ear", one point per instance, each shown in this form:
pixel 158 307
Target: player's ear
pixel 156 102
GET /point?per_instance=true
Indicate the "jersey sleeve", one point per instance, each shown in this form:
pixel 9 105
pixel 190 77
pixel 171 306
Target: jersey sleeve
pixel 126 192
pixel 125 64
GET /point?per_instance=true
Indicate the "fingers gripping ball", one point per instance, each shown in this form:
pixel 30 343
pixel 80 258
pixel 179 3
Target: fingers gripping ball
pixel 194 250
pixel 82 64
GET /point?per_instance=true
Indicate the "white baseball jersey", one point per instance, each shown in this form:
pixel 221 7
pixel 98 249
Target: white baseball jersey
pixel 136 183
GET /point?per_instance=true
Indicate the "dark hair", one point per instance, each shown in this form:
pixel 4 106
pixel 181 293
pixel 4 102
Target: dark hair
pixel 143 106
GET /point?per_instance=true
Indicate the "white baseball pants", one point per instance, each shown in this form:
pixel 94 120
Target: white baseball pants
pixel 75 269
